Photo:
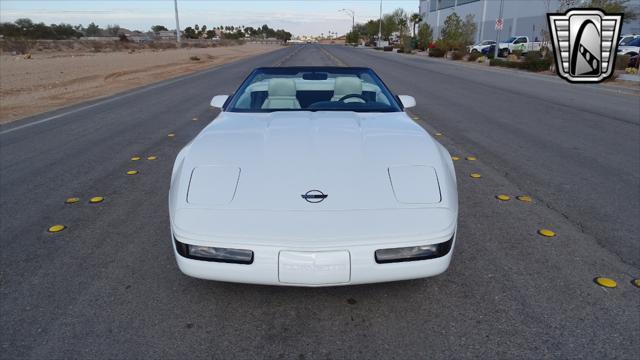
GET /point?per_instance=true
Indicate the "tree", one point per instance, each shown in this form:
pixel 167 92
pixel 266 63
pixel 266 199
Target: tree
pixel 452 32
pixel 469 29
pixel 158 28
pixel 93 30
pixel 415 20
pixel 352 37
pixel 425 36
pixel 190 33
pixel 608 6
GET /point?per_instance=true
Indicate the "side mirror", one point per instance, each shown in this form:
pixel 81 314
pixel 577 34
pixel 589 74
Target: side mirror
pixel 407 101
pixel 219 100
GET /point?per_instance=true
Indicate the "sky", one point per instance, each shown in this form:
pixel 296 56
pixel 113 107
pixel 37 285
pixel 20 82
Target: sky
pixel 300 17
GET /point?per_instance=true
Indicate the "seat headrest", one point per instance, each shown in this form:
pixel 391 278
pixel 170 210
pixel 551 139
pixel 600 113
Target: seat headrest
pixel 346 85
pixel 282 87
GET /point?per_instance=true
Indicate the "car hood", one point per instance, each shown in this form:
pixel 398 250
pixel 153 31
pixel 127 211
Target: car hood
pixel 268 161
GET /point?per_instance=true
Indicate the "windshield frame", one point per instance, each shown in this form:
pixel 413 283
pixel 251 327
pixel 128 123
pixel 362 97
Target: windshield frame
pixel 394 103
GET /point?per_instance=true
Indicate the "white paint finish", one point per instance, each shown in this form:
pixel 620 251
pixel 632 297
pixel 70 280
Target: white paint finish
pixel 314 268
pixel 282 155
pixel 415 184
pixel 218 101
pixel 213 185
pixel 407 101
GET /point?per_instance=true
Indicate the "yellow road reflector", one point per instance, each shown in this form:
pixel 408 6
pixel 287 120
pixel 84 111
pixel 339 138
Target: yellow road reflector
pixel 438 134
pixel 606 282
pixel 56 228
pixel 135 158
pixel 415 118
pixel 72 200
pixel 524 198
pixel 152 157
pixel 471 158
pixel 503 197
pixel 96 199
pixel 546 232
pixel 475 175
pixel 636 283
pixel 455 158
pixel 195 119
pixel 132 172
pixel 171 135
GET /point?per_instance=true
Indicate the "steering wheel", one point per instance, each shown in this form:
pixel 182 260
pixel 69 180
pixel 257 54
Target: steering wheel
pixel 351 96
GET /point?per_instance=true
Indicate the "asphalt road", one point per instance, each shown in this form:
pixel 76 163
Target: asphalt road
pixel 108 285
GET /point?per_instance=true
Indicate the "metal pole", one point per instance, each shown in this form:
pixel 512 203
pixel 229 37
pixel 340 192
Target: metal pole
pixel 175 2
pixel 498 31
pixel 380 26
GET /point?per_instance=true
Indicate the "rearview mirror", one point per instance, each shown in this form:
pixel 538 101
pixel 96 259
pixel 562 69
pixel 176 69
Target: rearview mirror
pixel 407 101
pixel 219 100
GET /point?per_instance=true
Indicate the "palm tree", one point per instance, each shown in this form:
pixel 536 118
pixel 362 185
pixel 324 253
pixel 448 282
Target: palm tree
pixel 415 20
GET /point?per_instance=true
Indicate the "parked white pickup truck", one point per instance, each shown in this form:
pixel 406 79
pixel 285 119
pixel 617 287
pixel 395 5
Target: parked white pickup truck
pixel 520 43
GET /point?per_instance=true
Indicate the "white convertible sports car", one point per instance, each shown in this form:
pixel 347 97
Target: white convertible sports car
pixel 313 176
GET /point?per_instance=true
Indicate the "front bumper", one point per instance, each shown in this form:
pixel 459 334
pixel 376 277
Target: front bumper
pixel 333 266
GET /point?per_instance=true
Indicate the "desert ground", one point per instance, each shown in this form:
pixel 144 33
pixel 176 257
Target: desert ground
pixel 43 81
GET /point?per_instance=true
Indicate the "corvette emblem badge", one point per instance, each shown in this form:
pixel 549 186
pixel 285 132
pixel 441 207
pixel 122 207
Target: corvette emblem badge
pixel 314 196
pixel 585 44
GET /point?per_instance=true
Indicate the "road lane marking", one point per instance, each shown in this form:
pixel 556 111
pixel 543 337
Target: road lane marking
pixel 546 233
pixel 152 157
pixel 96 199
pixel 135 158
pixel 56 228
pixel 606 282
pixel 503 197
pixel 475 175
pixel 72 200
pixel 524 198
pixel 132 172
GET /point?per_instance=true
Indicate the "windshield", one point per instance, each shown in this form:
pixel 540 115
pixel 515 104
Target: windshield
pixel 627 40
pixel 635 42
pixel 313 89
pixel 510 40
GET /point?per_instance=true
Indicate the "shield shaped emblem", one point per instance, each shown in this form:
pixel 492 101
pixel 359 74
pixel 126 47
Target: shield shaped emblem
pixel 585 42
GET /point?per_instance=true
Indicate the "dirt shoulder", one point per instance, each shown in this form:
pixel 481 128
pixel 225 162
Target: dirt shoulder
pixel 51 80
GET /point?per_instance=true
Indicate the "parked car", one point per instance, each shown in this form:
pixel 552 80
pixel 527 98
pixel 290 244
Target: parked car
pixel 520 43
pixel 481 45
pixel 313 176
pixel 631 48
pixel 625 39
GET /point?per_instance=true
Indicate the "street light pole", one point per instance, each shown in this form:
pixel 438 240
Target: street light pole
pixel 175 3
pixel 380 26
pixel 353 17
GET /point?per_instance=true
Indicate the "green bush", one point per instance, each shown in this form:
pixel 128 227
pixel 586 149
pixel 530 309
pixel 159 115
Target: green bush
pixel 437 52
pixel 622 62
pixel 534 65
pixel 474 56
pixel 457 55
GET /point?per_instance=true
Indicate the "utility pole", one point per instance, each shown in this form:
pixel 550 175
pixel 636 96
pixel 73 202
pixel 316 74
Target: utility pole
pixel 499 30
pixel 175 3
pixel 353 17
pixel 380 26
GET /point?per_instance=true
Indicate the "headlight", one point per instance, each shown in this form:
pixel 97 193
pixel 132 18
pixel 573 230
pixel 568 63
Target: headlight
pixel 207 253
pixel 413 253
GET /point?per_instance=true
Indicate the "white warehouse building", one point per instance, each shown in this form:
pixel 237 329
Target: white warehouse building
pixel 521 17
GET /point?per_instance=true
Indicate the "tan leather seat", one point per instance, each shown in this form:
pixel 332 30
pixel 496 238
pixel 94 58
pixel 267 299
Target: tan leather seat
pixel 281 95
pixel 347 85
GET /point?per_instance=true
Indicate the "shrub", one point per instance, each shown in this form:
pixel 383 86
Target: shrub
pixel 622 62
pixel 631 70
pixel 388 48
pixel 457 55
pixel 517 53
pixel 481 59
pixel 194 58
pixel 533 65
pixel 437 52
pixel 474 56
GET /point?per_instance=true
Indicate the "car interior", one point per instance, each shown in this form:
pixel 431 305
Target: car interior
pixel 312 91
